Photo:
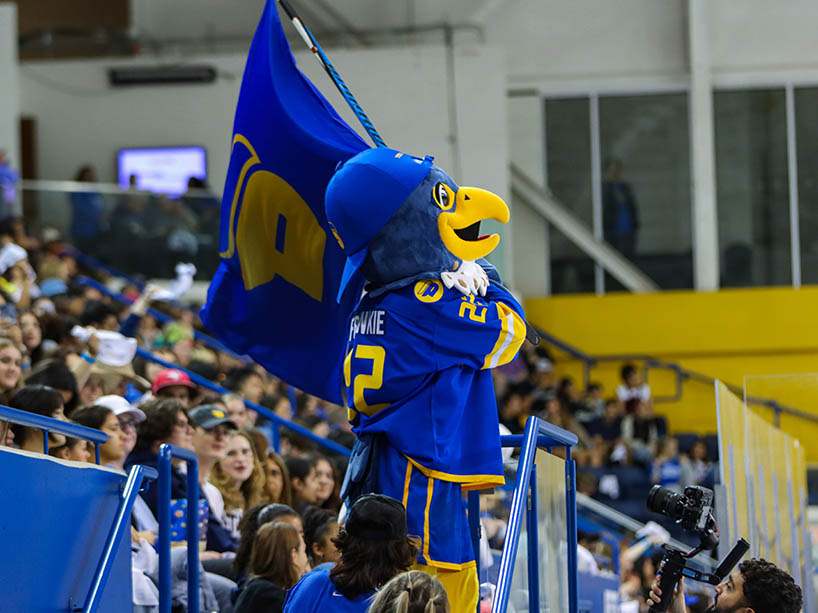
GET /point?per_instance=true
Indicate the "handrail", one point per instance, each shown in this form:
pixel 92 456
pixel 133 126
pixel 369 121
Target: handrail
pixel 538 433
pixel 276 419
pixel 166 454
pixel 682 374
pixel 629 523
pixel 117 534
pixel 158 315
pixel 49 424
pixel 48 185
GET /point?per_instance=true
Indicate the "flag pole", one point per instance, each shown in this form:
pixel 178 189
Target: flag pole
pixel 322 58
pixel 318 52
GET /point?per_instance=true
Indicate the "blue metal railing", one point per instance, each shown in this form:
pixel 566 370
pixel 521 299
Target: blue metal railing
pixel 162 318
pixel 538 434
pixel 119 532
pixel 166 454
pixel 49 424
pixel 277 420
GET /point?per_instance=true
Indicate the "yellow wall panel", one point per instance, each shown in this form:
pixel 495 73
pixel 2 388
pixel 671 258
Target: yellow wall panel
pixel 729 335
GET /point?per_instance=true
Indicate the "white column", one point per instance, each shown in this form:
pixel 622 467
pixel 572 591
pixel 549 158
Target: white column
pixel 529 250
pixel 792 175
pixel 705 217
pixel 9 84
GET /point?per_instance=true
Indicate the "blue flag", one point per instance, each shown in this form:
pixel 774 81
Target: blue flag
pixel 274 294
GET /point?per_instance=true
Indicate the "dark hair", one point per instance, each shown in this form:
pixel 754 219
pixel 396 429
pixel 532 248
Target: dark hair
pixel 207 370
pixel 345 438
pixel 767 588
pixel 55 374
pixel 367 565
pixel 70 443
pixel 82 171
pixel 297 440
pixel 317 524
pixel 95 313
pixel 270 558
pixel 411 592
pixel 627 371
pixel 249 525
pixel 300 467
pixel 93 416
pixel 58 327
pixel 237 376
pixel 522 389
pixel 37 399
pixel 160 418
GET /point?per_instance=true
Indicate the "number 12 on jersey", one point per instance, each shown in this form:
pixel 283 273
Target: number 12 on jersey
pixel 364 381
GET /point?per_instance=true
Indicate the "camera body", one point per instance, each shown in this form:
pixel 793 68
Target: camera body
pixel 693 510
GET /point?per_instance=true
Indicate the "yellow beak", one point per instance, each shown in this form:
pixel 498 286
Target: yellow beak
pixel 472 205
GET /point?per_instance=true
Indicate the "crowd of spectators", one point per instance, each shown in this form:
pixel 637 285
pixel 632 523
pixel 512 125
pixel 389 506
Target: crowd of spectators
pixel 624 448
pixel 67 351
pixel 62 343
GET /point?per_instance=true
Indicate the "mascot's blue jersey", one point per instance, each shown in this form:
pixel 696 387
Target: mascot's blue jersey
pixel 417 370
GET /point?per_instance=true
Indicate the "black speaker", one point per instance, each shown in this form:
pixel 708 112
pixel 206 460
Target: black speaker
pixel 160 75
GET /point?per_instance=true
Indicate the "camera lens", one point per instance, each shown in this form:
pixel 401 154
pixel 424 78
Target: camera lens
pixel 665 501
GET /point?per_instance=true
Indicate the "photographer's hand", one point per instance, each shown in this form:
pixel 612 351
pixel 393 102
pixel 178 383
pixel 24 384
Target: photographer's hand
pixel 678 603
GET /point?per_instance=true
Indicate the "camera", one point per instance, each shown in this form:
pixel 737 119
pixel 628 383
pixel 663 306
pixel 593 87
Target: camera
pixel 693 510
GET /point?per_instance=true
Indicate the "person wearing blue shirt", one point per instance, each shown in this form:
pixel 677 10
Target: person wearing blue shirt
pixel 374 546
pixel 620 215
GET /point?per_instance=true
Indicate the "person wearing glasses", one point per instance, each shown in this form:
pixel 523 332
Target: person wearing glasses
pixel 166 421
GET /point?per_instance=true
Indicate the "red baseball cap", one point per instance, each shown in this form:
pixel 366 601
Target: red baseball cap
pixel 170 377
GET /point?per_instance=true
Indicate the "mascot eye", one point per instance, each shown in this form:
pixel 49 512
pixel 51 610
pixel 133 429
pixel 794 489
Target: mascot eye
pixel 443 195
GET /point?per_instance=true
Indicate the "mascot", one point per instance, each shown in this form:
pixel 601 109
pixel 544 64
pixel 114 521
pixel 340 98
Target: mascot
pixel 432 322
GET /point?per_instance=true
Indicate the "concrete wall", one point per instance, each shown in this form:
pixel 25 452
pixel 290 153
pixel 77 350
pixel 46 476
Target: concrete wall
pixel 407 92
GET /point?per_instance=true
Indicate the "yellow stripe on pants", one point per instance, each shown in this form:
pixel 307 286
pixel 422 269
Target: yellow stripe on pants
pixel 462 586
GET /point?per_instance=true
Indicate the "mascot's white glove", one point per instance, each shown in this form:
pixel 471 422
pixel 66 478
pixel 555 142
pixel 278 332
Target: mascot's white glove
pixel 470 279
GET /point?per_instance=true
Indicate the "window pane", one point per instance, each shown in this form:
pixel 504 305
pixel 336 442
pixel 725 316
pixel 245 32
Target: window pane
pixel 806 126
pixel 568 175
pixel 645 151
pixel 751 187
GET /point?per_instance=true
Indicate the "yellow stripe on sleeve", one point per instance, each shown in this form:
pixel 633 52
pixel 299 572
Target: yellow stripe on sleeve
pixel 512 335
pixel 518 326
pixel 502 339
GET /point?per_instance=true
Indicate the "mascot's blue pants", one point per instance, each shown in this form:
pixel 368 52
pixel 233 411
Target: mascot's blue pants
pixel 435 513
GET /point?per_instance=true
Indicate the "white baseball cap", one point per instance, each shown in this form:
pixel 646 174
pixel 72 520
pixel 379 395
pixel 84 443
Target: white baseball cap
pixel 120 406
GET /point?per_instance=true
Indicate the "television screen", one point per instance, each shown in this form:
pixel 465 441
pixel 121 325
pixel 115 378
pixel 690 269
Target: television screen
pixel 161 169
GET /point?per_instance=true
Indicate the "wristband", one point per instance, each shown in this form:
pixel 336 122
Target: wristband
pixel 87 358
